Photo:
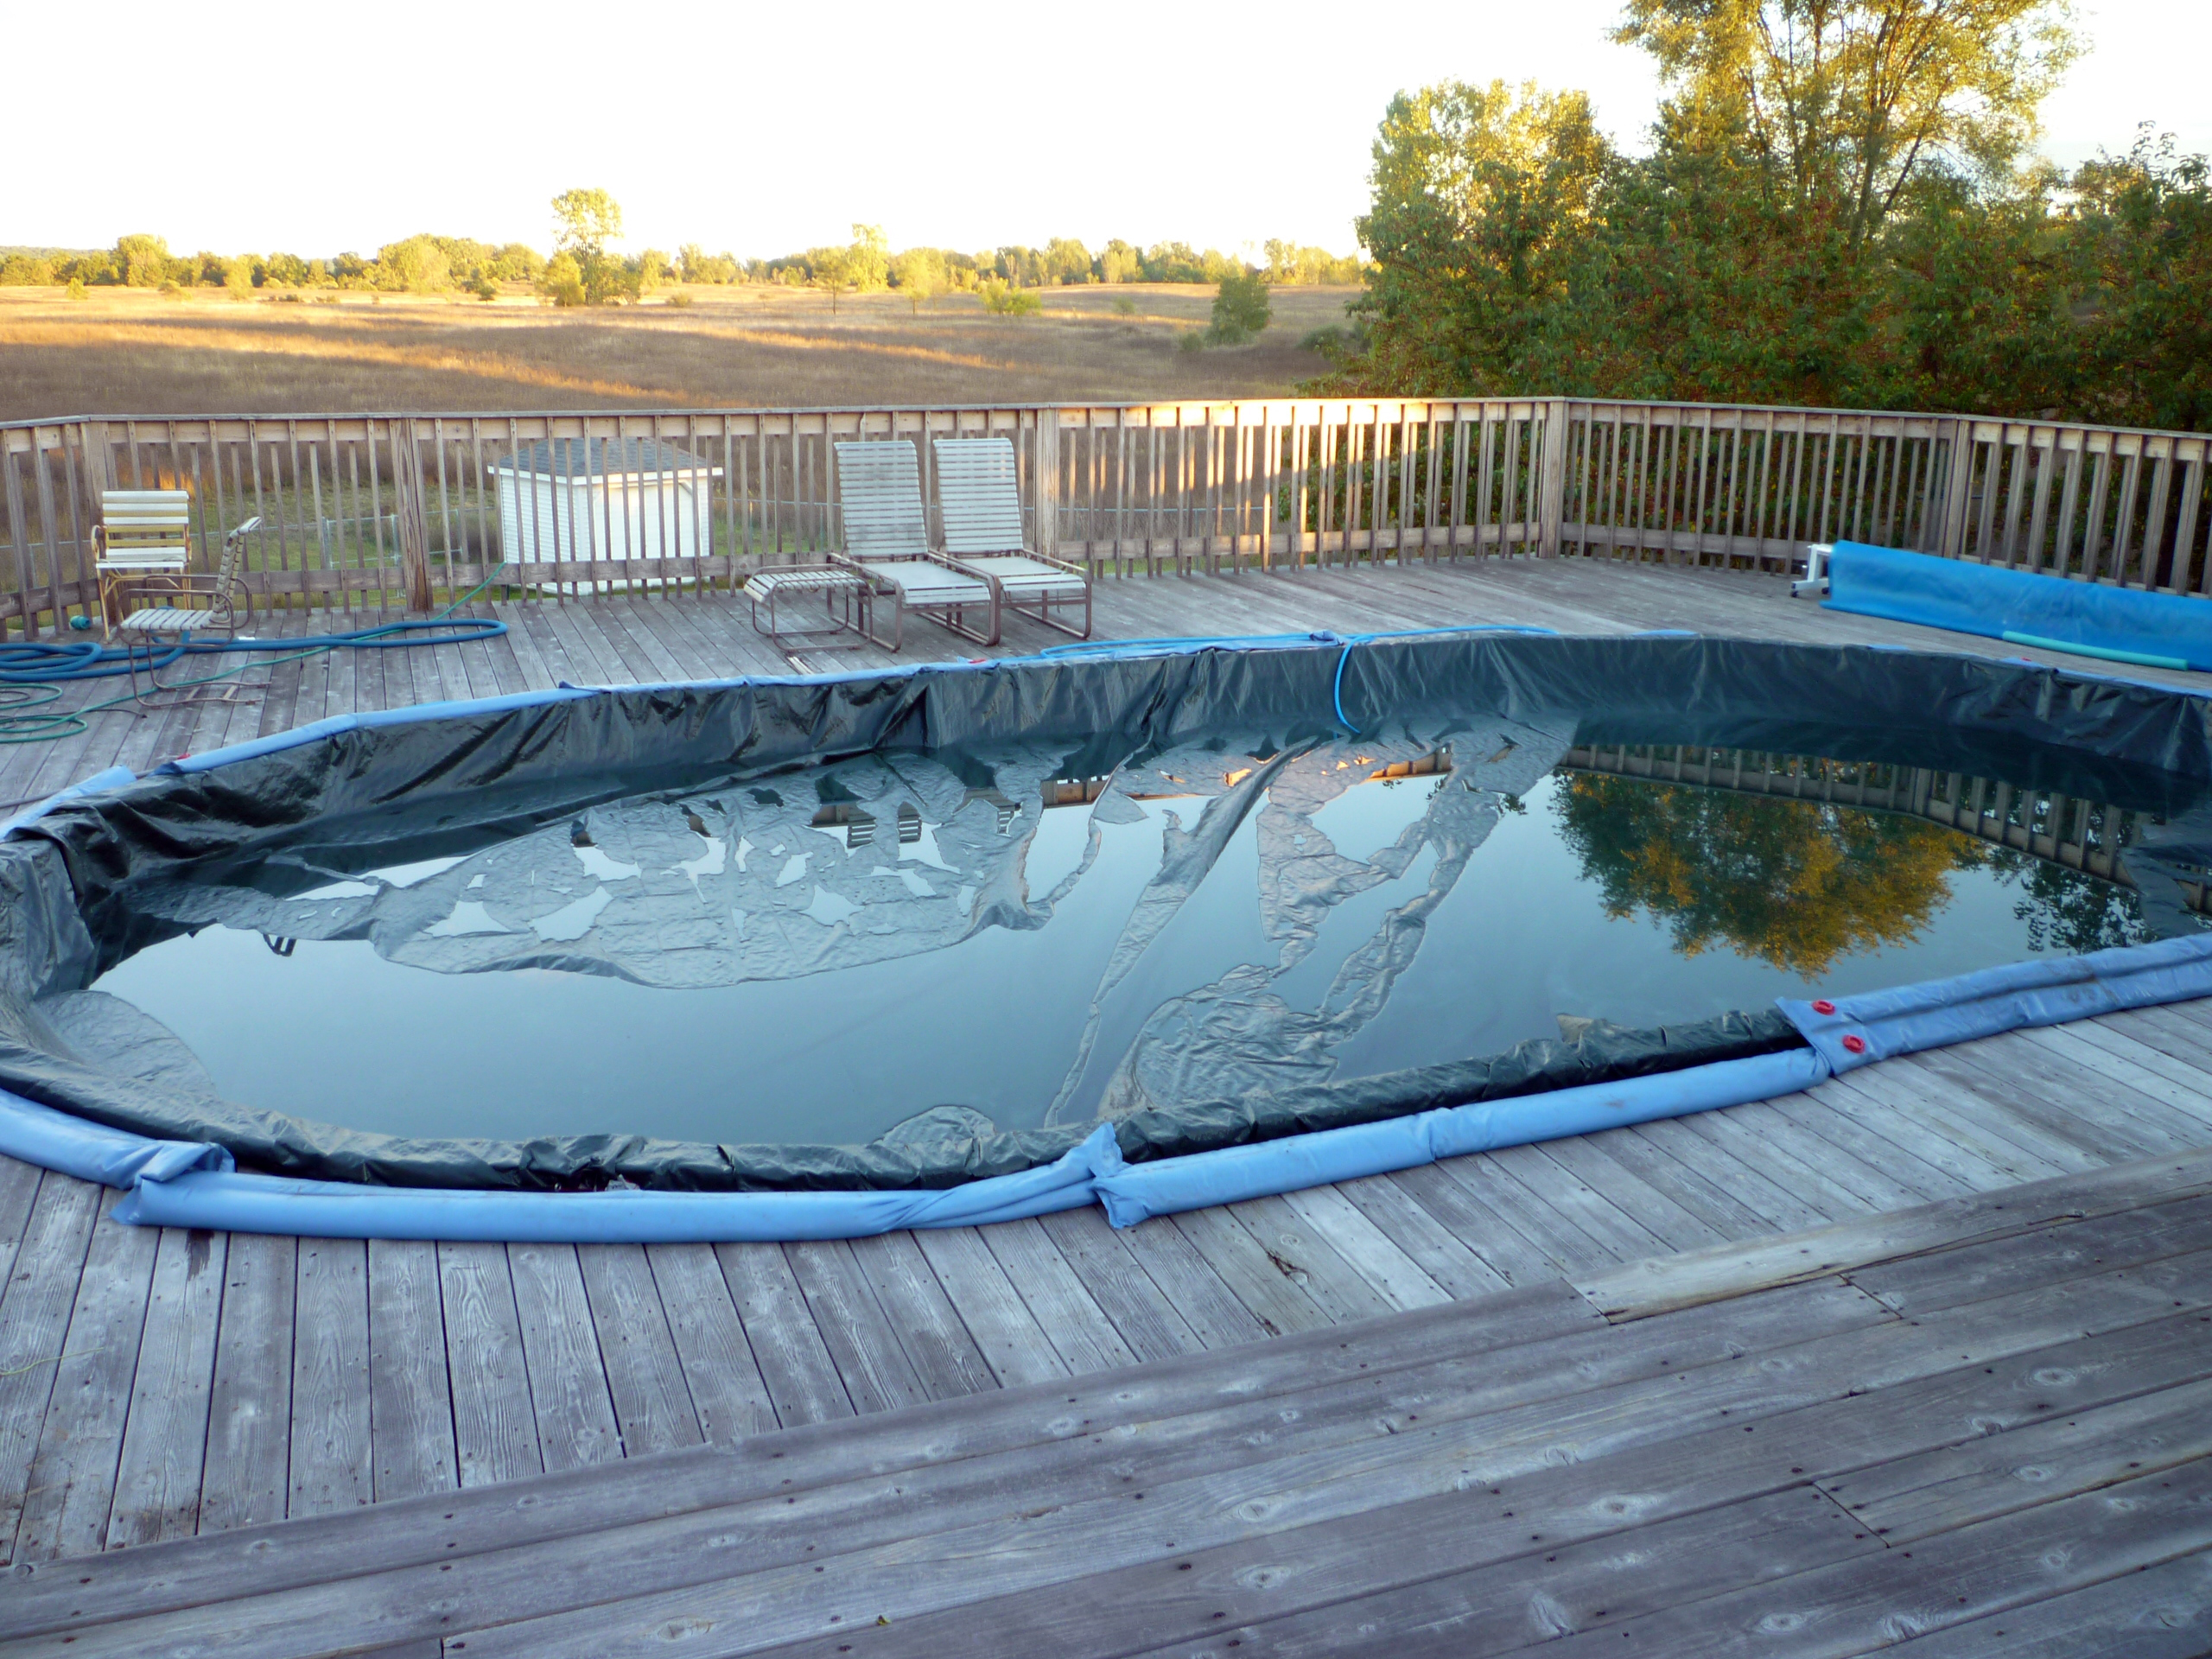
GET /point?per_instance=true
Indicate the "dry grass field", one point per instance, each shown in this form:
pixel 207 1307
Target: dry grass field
pixel 134 351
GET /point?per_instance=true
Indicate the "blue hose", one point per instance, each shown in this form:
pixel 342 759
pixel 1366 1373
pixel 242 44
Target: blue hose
pixel 48 662
pixel 1337 690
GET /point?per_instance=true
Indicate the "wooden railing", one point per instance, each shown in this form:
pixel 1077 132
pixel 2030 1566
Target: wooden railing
pixel 405 510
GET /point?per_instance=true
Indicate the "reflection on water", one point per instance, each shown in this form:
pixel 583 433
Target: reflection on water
pixel 1041 936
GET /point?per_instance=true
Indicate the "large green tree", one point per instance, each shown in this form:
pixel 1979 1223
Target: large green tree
pixel 1836 206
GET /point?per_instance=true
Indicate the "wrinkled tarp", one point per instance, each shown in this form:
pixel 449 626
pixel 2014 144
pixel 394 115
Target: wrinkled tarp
pixel 441 787
pixel 2126 625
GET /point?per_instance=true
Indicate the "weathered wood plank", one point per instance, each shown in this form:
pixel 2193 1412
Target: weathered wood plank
pixel 1782 1210
pixel 2050 1254
pixel 1143 1315
pixel 1367 1249
pixel 944 1356
pixel 1106 1575
pixel 877 1374
pixel 209 1569
pixel 719 1371
pixel 1450 1263
pixel 80 1443
pixel 249 1409
pixel 1565 1247
pixel 2157 1613
pixel 795 1364
pixel 1906 1499
pixel 1006 1334
pixel 411 1399
pixel 165 1440
pixel 568 1384
pixel 331 1464
pixel 652 1405
pixel 1643 1288
pixel 35 1310
pixel 1948 1579
pixel 495 1432
pixel 1500 1247
pixel 1069 1315
pixel 1215 1317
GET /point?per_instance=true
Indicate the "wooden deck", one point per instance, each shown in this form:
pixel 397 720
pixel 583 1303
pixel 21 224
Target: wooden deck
pixel 154 1385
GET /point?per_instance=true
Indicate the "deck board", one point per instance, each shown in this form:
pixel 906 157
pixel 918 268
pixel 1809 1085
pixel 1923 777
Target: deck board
pixel 320 1380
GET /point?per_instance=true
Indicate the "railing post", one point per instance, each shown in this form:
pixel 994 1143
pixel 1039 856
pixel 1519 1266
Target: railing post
pixel 407 508
pixel 1551 486
pixel 1958 491
pixel 1045 480
pixel 19 530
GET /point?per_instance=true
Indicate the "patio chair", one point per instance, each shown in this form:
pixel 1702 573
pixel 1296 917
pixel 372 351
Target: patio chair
pixel 143 541
pixel 204 603
pixel 886 539
pixel 981 501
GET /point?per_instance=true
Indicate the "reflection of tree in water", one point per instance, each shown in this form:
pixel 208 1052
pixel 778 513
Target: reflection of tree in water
pixel 2067 911
pixel 1793 883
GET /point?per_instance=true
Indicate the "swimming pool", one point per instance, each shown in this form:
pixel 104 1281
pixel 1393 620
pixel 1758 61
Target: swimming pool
pixel 911 929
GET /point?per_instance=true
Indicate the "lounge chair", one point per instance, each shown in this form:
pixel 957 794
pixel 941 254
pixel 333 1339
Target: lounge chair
pixel 982 500
pixel 142 542
pixel 184 603
pixel 886 539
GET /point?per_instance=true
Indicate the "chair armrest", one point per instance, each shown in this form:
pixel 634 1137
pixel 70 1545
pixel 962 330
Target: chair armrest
pixel 234 537
pixel 950 563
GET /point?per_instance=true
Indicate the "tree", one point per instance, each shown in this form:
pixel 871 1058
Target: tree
pixel 2141 247
pixel 1120 262
pixel 868 260
pixel 1484 196
pixel 1066 260
pixel 918 273
pixel 417 265
pixel 586 224
pixel 142 261
pixel 1843 104
pixel 1240 309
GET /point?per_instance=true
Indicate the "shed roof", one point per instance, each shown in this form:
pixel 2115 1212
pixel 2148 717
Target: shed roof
pixel 606 457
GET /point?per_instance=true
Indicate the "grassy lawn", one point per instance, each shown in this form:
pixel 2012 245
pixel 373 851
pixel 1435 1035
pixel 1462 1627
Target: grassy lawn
pixel 135 352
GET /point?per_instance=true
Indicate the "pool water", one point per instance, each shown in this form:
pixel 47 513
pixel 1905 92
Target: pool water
pixel 819 956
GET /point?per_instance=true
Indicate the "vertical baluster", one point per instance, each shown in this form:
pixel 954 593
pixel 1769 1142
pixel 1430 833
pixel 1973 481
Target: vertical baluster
pixel 2123 537
pixel 2191 574
pixel 2070 499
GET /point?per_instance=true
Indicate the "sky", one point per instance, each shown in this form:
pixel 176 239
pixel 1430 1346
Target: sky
pixel 761 128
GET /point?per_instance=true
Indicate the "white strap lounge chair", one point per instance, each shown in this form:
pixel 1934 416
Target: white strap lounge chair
pixel 182 603
pixel 142 542
pixel 981 499
pixel 886 539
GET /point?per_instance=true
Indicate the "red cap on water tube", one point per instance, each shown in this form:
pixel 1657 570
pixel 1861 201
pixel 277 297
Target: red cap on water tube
pixel 1824 1007
pixel 1855 1044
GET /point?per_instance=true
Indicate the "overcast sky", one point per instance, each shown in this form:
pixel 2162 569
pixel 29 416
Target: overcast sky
pixel 761 128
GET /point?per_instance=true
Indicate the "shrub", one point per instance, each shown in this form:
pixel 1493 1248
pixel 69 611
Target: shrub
pixel 1002 299
pixel 564 280
pixel 1124 306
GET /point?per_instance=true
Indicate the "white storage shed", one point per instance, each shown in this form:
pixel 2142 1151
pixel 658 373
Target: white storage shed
pixel 604 499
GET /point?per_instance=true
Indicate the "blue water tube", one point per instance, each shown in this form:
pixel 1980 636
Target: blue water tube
pixel 2023 607
pixel 184 1184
